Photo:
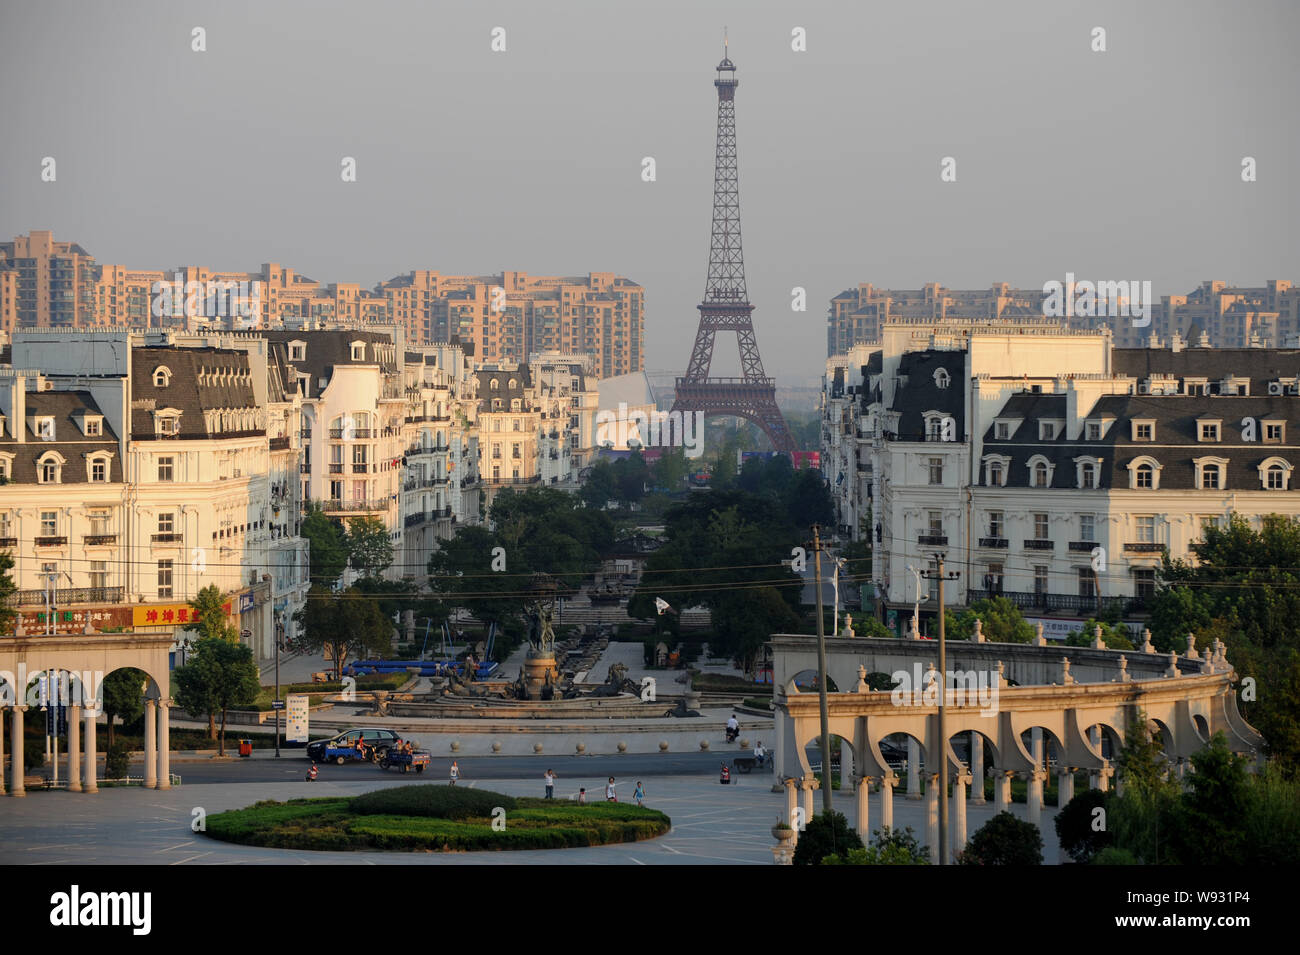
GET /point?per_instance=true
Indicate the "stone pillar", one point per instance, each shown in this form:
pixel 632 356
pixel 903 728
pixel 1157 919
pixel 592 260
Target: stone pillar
pixel 977 768
pixel 913 768
pixel 847 767
pixel 792 805
pixel 74 748
pixel 1002 791
pixel 150 745
pixel 1094 737
pixel 92 755
pixel 810 785
pixel 1103 777
pixel 164 745
pixel 1034 798
pixel 932 816
pixel 1064 787
pixel 960 780
pixel 864 812
pixel 887 784
pixel 16 786
pixel 2 751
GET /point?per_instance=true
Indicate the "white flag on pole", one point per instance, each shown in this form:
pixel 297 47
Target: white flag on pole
pixel 661 605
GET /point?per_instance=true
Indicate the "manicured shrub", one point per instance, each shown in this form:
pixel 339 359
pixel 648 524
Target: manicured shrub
pixel 825 836
pixel 117 761
pixel 431 799
pixel 1076 827
pixel 1004 840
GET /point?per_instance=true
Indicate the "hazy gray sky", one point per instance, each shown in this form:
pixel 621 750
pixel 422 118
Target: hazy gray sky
pixel 1123 164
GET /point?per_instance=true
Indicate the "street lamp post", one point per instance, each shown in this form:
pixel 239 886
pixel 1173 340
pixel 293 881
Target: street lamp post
pixel 939 575
pixel 821 677
pixel 279 639
pixel 835 584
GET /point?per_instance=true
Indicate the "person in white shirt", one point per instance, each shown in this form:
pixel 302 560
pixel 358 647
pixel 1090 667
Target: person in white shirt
pixel 733 728
pixel 550 783
pixel 759 753
pixel 610 795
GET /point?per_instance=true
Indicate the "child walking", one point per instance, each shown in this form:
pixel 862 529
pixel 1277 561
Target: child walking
pixel 639 793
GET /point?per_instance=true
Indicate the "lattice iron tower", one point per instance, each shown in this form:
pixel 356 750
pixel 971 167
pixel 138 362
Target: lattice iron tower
pixel 726 305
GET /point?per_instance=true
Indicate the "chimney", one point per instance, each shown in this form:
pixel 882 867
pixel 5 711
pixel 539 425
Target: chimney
pixel 1176 343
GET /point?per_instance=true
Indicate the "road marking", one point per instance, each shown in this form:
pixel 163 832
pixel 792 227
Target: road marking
pixel 191 858
pixel 178 845
pixel 65 845
pixel 637 861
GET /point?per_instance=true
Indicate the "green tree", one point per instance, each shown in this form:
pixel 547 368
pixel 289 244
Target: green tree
pixel 1004 840
pixel 1141 820
pixel 824 836
pixel 209 617
pixel 342 625
pixel 1115 636
pixel 123 692
pixel 888 847
pixel 670 471
pixel 368 546
pixel 8 594
pixel 1209 821
pixel 328 546
pixel 218 675
pixel 1000 621
pixel 599 487
pixel 1080 830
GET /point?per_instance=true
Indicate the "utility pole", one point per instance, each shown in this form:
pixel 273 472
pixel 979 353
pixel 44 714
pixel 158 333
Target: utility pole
pixel 279 635
pixel 821 675
pixel 940 576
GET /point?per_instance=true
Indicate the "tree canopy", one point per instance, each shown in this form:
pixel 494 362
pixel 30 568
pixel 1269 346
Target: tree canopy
pixel 219 674
pixel 344 624
pixel 328 546
pixel 368 546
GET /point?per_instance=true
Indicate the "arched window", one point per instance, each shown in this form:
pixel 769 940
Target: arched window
pixel 162 376
pixel 1040 471
pixel 941 378
pixel 49 468
pixel 1275 474
pixel 495 385
pixel 1146 476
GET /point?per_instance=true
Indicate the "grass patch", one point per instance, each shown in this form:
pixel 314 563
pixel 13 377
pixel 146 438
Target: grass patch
pixel 434 818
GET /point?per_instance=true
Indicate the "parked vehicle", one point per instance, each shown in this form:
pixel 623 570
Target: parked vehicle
pixel 377 742
pixel 416 760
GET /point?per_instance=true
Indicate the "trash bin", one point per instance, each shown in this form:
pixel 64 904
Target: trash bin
pixel 245 747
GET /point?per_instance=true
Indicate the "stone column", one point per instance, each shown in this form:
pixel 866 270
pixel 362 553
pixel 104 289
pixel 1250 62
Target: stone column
pixel 977 768
pixel 864 811
pixel 164 745
pixel 1103 777
pixel 150 745
pixel 1034 798
pixel 74 748
pixel 960 780
pixel 792 805
pixel 92 757
pixel 810 785
pixel 1064 787
pixel 913 768
pixel 1002 791
pixel 847 767
pixel 16 787
pixel 1094 737
pixel 887 784
pixel 3 786
pixel 932 815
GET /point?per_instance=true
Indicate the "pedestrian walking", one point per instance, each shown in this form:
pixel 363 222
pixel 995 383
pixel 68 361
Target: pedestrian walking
pixel 550 783
pixel 455 772
pixel 582 797
pixel 311 773
pixel 610 795
pixel 639 793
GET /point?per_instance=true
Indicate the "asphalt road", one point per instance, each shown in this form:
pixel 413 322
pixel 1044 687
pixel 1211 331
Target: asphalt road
pixel 293 764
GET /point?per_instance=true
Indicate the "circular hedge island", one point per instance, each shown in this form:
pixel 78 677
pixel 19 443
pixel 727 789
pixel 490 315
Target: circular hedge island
pixel 435 818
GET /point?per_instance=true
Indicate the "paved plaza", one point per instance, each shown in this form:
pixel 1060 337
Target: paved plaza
pixel 712 824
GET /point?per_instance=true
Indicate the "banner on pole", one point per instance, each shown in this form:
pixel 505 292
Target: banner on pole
pixel 296 717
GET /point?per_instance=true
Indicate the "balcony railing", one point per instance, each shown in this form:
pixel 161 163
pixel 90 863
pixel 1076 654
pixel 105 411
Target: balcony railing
pixel 343 434
pixel 51 541
pixel 165 538
pixel 1000 542
pixel 1038 543
pixel 280 444
pixel 1085 546
pixel 413 519
pixel 336 469
pixel 73 595
pixel 1143 547
pixel 361 468
pixel 514 480
pixel 932 540
pixel 94 540
pixel 336 505
pixel 8 541
pixel 304 467
pixel 1070 602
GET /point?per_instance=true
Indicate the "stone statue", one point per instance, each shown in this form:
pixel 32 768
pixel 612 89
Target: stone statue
pixel 541 631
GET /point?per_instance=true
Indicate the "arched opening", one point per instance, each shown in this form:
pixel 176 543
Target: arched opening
pixel 807 681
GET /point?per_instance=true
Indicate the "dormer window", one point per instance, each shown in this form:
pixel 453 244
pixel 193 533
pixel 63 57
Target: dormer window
pixel 3 423
pixel 1274 431
pixel 1211 473
pixel 1144 474
pixel 6 468
pixel 49 469
pixel 1040 471
pixel 93 426
pixel 1275 474
pixel 297 351
pixel 512 384
pixel 168 423
pixel 1144 429
pixel 162 376
pixel 1207 429
pixel 495 385
pixel 1002 431
pixel 45 427
pixel 1046 430
pixel 941 378
pixel 1089 471
pixel 97 468
pixel 996 467
pixel 358 351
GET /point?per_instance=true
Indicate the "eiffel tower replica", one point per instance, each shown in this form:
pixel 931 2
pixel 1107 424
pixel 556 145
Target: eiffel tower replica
pixel 726 305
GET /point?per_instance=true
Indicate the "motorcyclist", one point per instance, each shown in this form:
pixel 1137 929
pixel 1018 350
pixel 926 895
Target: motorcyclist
pixel 733 728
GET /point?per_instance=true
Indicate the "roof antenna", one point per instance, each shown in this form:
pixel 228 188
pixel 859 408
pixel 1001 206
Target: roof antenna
pixel 724 43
